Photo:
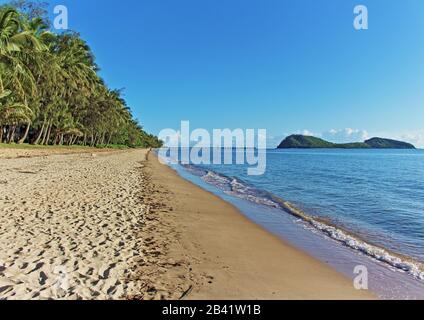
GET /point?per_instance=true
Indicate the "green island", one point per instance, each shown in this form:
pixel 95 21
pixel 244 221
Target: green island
pixel 309 142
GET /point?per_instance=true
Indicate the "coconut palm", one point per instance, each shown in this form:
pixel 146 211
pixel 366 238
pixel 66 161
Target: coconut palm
pixel 16 47
pixel 50 90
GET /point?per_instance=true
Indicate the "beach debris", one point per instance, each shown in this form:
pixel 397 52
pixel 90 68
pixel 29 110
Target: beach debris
pixel 187 292
pixel 25 171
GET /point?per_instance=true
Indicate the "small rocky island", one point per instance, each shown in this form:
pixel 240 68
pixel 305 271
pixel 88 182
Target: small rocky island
pixel 309 142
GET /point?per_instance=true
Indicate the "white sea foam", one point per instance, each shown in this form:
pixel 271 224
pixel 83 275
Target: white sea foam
pixel 413 268
pixel 237 188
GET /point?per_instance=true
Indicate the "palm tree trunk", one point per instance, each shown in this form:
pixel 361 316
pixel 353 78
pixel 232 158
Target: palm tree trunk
pixel 40 134
pixel 7 133
pixel 70 140
pixel 48 134
pixel 26 134
pixel 12 134
pixel 56 139
pixel 43 141
pixel 1 134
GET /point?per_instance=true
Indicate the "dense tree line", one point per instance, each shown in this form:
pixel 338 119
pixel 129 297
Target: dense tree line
pixel 50 90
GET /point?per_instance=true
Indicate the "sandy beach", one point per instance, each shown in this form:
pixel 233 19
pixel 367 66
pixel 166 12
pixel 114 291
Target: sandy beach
pixel 119 225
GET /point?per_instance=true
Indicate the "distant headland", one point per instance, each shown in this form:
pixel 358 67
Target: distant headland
pixel 309 142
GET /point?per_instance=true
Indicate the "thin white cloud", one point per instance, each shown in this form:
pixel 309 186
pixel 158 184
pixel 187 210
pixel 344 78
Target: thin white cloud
pixel 354 135
pixel 307 133
pixel 346 135
pixel 416 137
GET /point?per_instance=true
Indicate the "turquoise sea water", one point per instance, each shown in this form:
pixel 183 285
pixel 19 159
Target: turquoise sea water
pixel 375 194
pixel 368 201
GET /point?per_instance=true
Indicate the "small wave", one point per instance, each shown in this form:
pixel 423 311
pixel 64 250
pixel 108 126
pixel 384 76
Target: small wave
pixel 413 268
pixel 238 188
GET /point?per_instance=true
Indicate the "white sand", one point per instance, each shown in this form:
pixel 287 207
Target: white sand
pixel 111 225
pixel 69 225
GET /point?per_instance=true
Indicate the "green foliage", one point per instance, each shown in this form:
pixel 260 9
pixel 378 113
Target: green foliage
pixel 308 142
pixel 50 91
pixel 300 141
pixel 354 145
pixel 381 143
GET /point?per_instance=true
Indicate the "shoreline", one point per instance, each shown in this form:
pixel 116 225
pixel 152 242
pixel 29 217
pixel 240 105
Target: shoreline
pixel 355 242
pixel 120 225
pixel 385 281
pixel 223 241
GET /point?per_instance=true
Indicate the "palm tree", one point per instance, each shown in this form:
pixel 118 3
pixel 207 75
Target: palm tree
pixel 50 90
pixel 13 44
pixel 17 48
pixel 13 114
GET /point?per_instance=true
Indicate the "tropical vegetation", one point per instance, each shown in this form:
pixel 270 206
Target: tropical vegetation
pixel 298 141
pixel 50 89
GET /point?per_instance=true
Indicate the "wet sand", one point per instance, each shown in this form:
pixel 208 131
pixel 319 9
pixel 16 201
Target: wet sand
pixel 114 225
pixel 228 256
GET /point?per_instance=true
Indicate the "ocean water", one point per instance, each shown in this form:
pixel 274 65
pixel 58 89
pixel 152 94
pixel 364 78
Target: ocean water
pixel 342 206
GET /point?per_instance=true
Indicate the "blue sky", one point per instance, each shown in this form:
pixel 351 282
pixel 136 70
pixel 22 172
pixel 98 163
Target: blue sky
pixel 287 66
